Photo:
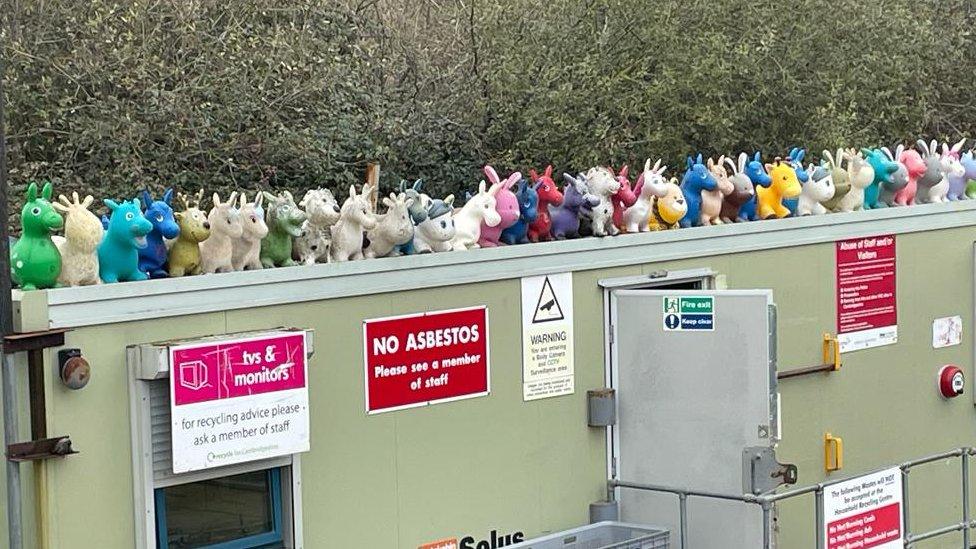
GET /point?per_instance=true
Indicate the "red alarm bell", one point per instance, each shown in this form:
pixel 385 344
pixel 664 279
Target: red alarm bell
pixel 951 381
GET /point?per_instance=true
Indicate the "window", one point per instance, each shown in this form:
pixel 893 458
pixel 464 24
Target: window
pixel 233 512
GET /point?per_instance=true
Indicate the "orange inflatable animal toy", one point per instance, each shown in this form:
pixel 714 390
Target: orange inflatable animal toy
pixel 785 185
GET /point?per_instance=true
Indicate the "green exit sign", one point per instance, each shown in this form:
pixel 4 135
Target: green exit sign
pixel 700 305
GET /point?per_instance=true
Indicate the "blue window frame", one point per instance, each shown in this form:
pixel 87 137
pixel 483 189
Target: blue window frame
pixel 234 512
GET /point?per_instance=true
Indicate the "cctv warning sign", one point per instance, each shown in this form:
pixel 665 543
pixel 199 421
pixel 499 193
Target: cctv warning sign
pixel 547 336
pixel 425 358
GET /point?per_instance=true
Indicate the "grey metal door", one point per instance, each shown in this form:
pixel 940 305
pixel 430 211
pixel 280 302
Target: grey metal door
pixel 695 376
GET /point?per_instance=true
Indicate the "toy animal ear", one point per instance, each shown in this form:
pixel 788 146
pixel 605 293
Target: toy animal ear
pixel 270 197
pixel 570 180
pixel 899 150
pixel 922 146
pixel 112 205
pixel 533 175
pixel 168 196
pixel 216 200
pixel 232 199
pixel 418 185
pixel 259 200
pixel 449 199
pixel 491 174
pixel 647 165
pixel 481 187
pixel 242 200
pixel 352 192
pixel 829 158
pixel 769 167
pixel 698 159
pixel 512 180
pixel 146 197
pixel 689 162
pixel 866 152
pixel 757 157
pixel 743 158
pixel 549 170
pixel 288 195
pixel 47 191
pixel 178 215
pixel 625 171
pixel 32 192
pixel 800 155
pixel 958 146
pixel 710 163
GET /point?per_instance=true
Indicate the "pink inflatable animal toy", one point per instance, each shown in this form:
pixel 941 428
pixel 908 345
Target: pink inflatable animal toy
pixel 545 187
pixel 623 198
pixel 506 204
pixel 915 168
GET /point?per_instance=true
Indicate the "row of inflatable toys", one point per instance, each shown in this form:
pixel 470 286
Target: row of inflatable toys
pixel 144 238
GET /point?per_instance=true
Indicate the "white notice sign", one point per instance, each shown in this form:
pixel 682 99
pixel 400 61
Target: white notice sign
pixel 865 512
pixel 547 336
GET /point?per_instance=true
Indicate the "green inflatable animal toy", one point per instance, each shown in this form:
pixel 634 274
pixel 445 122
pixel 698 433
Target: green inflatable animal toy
pixel 284 220
pixel 35 261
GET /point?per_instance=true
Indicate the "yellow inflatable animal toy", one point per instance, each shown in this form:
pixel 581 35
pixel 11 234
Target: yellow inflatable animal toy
pixel 784 185
pixel 668 210
pixel 184 255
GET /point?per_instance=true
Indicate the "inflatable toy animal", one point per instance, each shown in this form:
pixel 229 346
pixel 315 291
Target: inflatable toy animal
pixel 884 171
pixel 118 254
pixel 313 243
pixel 795 158
pixel 285 220
pixel 623 198
pixel 711 205
pixel 914 168
pixel 435 232
pixel 79 247
pixel 393 228
pixel 955 171
pixel 650 184
pixel 697 178
pixel 152 258
pixel 528 201
pixel 841 179
pixel 246 250
pixel 785 185
pixel 549 195
pixel 506 204
pixel 899 178
pixel 417 189
pixel 969 164
pixel 668 210
pixel 599 217
pixel 818 189
pixel 355 218
pixel 184 254
pixel 477 211
pixel 860 175
pixel 756 172
pixel 35 262
pixel 217 252
pixel 931 185
pixel 742 190
pixel 566 217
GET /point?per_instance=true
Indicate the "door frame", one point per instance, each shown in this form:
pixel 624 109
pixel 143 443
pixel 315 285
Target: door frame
pixel 657 280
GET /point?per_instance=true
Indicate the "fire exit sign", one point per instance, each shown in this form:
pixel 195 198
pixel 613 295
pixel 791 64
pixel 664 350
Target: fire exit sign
pixel 689 313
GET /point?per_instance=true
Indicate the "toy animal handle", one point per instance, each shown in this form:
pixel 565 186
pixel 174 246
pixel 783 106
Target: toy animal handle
pixel 732 166
pixel 512 180
pixel 491 174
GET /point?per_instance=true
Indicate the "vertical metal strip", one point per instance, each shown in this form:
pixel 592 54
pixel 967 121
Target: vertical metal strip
pixel 819 510
pixel 683 518
pixel 15 528
pixel 965 499
pixel 905 516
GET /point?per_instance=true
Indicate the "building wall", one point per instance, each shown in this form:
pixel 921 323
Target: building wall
pixel 464 468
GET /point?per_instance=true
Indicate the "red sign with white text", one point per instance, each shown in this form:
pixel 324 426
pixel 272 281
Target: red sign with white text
pixel 865 530
pixel 425 358
pixel 867 314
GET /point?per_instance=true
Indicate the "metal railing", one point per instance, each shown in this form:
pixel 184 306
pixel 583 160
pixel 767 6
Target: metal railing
pixel 766 501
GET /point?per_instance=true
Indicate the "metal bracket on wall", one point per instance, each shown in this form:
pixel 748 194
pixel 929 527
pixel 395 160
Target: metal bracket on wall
pixel 602 407
pixel 761 473
pixel 831 360
pixel 40 449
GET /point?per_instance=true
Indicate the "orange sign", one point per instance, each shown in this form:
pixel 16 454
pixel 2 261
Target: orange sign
pixel 449 543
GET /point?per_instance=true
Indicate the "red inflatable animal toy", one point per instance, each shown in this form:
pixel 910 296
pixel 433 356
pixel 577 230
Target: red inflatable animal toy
pixel 624 198
pixel 548 193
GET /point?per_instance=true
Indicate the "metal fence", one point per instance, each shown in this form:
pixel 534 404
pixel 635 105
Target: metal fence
pixel 766 501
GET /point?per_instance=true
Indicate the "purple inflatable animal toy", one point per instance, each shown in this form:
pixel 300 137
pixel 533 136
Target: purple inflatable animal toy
pixel 506 204
pixel 566 217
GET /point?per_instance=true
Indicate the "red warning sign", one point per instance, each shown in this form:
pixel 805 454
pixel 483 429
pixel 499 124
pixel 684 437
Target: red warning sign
pixel 425 358
pixel 865 512
pixel 867 314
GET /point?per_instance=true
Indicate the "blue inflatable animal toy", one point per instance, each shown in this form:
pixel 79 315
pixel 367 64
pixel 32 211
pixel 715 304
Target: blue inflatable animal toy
pixel 118 254
pixel 756 172
pixel 795 159
pixel 152 258
pixel 528 200
pixel 697 178
pixel 884 169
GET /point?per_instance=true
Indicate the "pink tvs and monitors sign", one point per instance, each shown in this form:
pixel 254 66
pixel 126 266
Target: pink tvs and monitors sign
pixel 238 400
